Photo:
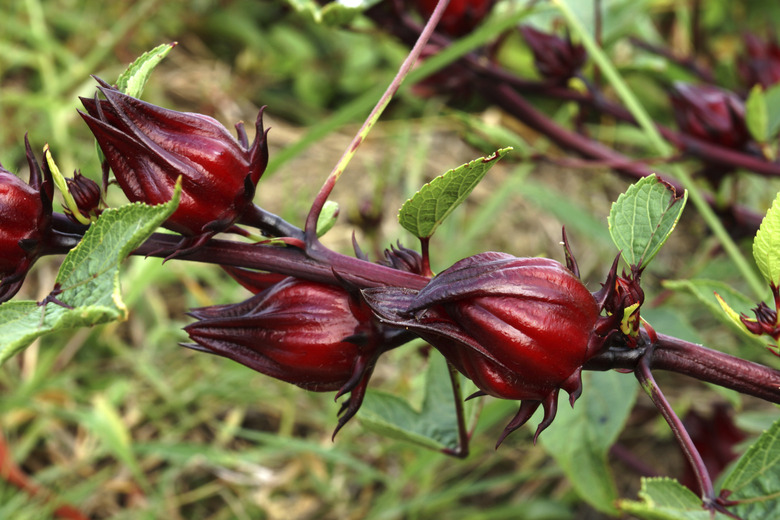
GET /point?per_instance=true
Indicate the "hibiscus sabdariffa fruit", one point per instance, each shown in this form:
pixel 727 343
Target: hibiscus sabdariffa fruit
pixel 519 328
pixel 149 148
pixel 316 336
pixel 25 222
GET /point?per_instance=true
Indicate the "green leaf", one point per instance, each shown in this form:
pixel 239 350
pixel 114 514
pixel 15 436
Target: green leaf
pixel 642 219
pixel 580 438
pixel 133 80
pixel 766 246
pixel 666 499
pixel 435 426
pixel 428 208
pixel 705 291
pixel 756 116
pixel 772 96
pixel 755 479
pixel 88 278
pixel 327 218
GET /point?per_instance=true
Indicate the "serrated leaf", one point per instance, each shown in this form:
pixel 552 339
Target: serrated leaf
pixel 428 208
pixel 327 218
pixel 597 418
pixel 666 499
pixel 766 245
pixel 756 116
pixel 705 290
pixel 731 313
pixel 133 80
pixel 88 278
pixel 755 480
pixel 643 217
pixel 435 426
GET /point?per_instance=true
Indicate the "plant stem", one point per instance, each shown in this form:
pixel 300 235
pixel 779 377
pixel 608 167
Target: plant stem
pixel 646 380
pixel 662 148
pixel 699 362
pixel 290 261
pixel 311 220
pixel 462 449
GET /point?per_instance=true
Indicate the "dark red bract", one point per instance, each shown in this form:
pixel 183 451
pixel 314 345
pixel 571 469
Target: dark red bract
pixel 148 148
pixel 519 328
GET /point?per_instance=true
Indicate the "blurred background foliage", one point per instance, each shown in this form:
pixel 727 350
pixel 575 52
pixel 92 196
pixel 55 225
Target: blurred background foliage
pixel 122 422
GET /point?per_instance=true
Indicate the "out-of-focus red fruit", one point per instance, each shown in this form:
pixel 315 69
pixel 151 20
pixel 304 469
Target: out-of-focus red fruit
pixel 711 114
pixel 556 59
pixel 460 16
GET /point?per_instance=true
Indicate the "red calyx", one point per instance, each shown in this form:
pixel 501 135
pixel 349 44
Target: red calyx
pixel 148 148
pixel 25 222
pixel 556 59
pixel 761 63
pixel 519 328
pixel 313 335
pixel 710 114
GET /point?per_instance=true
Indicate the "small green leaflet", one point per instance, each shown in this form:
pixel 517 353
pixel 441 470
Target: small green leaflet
pixel 598 419
pixel 88 277
pixel 753 483
pixel 766 246
pixel 133 80
pixel 435 426
pixel 327 218
pixel 756 116
pixel 666 499
pixel 428 208
pixel 762 113
pixel 716 297
pixel 642 219
pixel 755 480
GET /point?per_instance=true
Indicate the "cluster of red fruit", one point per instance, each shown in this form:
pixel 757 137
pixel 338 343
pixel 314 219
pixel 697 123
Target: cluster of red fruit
pixel 520 328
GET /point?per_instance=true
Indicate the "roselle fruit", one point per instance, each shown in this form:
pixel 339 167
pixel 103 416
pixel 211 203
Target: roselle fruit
pixel 711 114
pixel 519 328
pixel 460 16
pixel 25 222
pixel 313 335
pixel 761 63
pixel 556 59
pixel 148 148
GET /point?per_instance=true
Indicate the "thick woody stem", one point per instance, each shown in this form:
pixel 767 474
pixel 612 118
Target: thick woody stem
pixel 699 362
pixel 290 261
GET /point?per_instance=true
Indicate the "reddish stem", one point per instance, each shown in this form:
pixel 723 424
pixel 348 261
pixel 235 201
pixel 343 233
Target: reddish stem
pixel 699 362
